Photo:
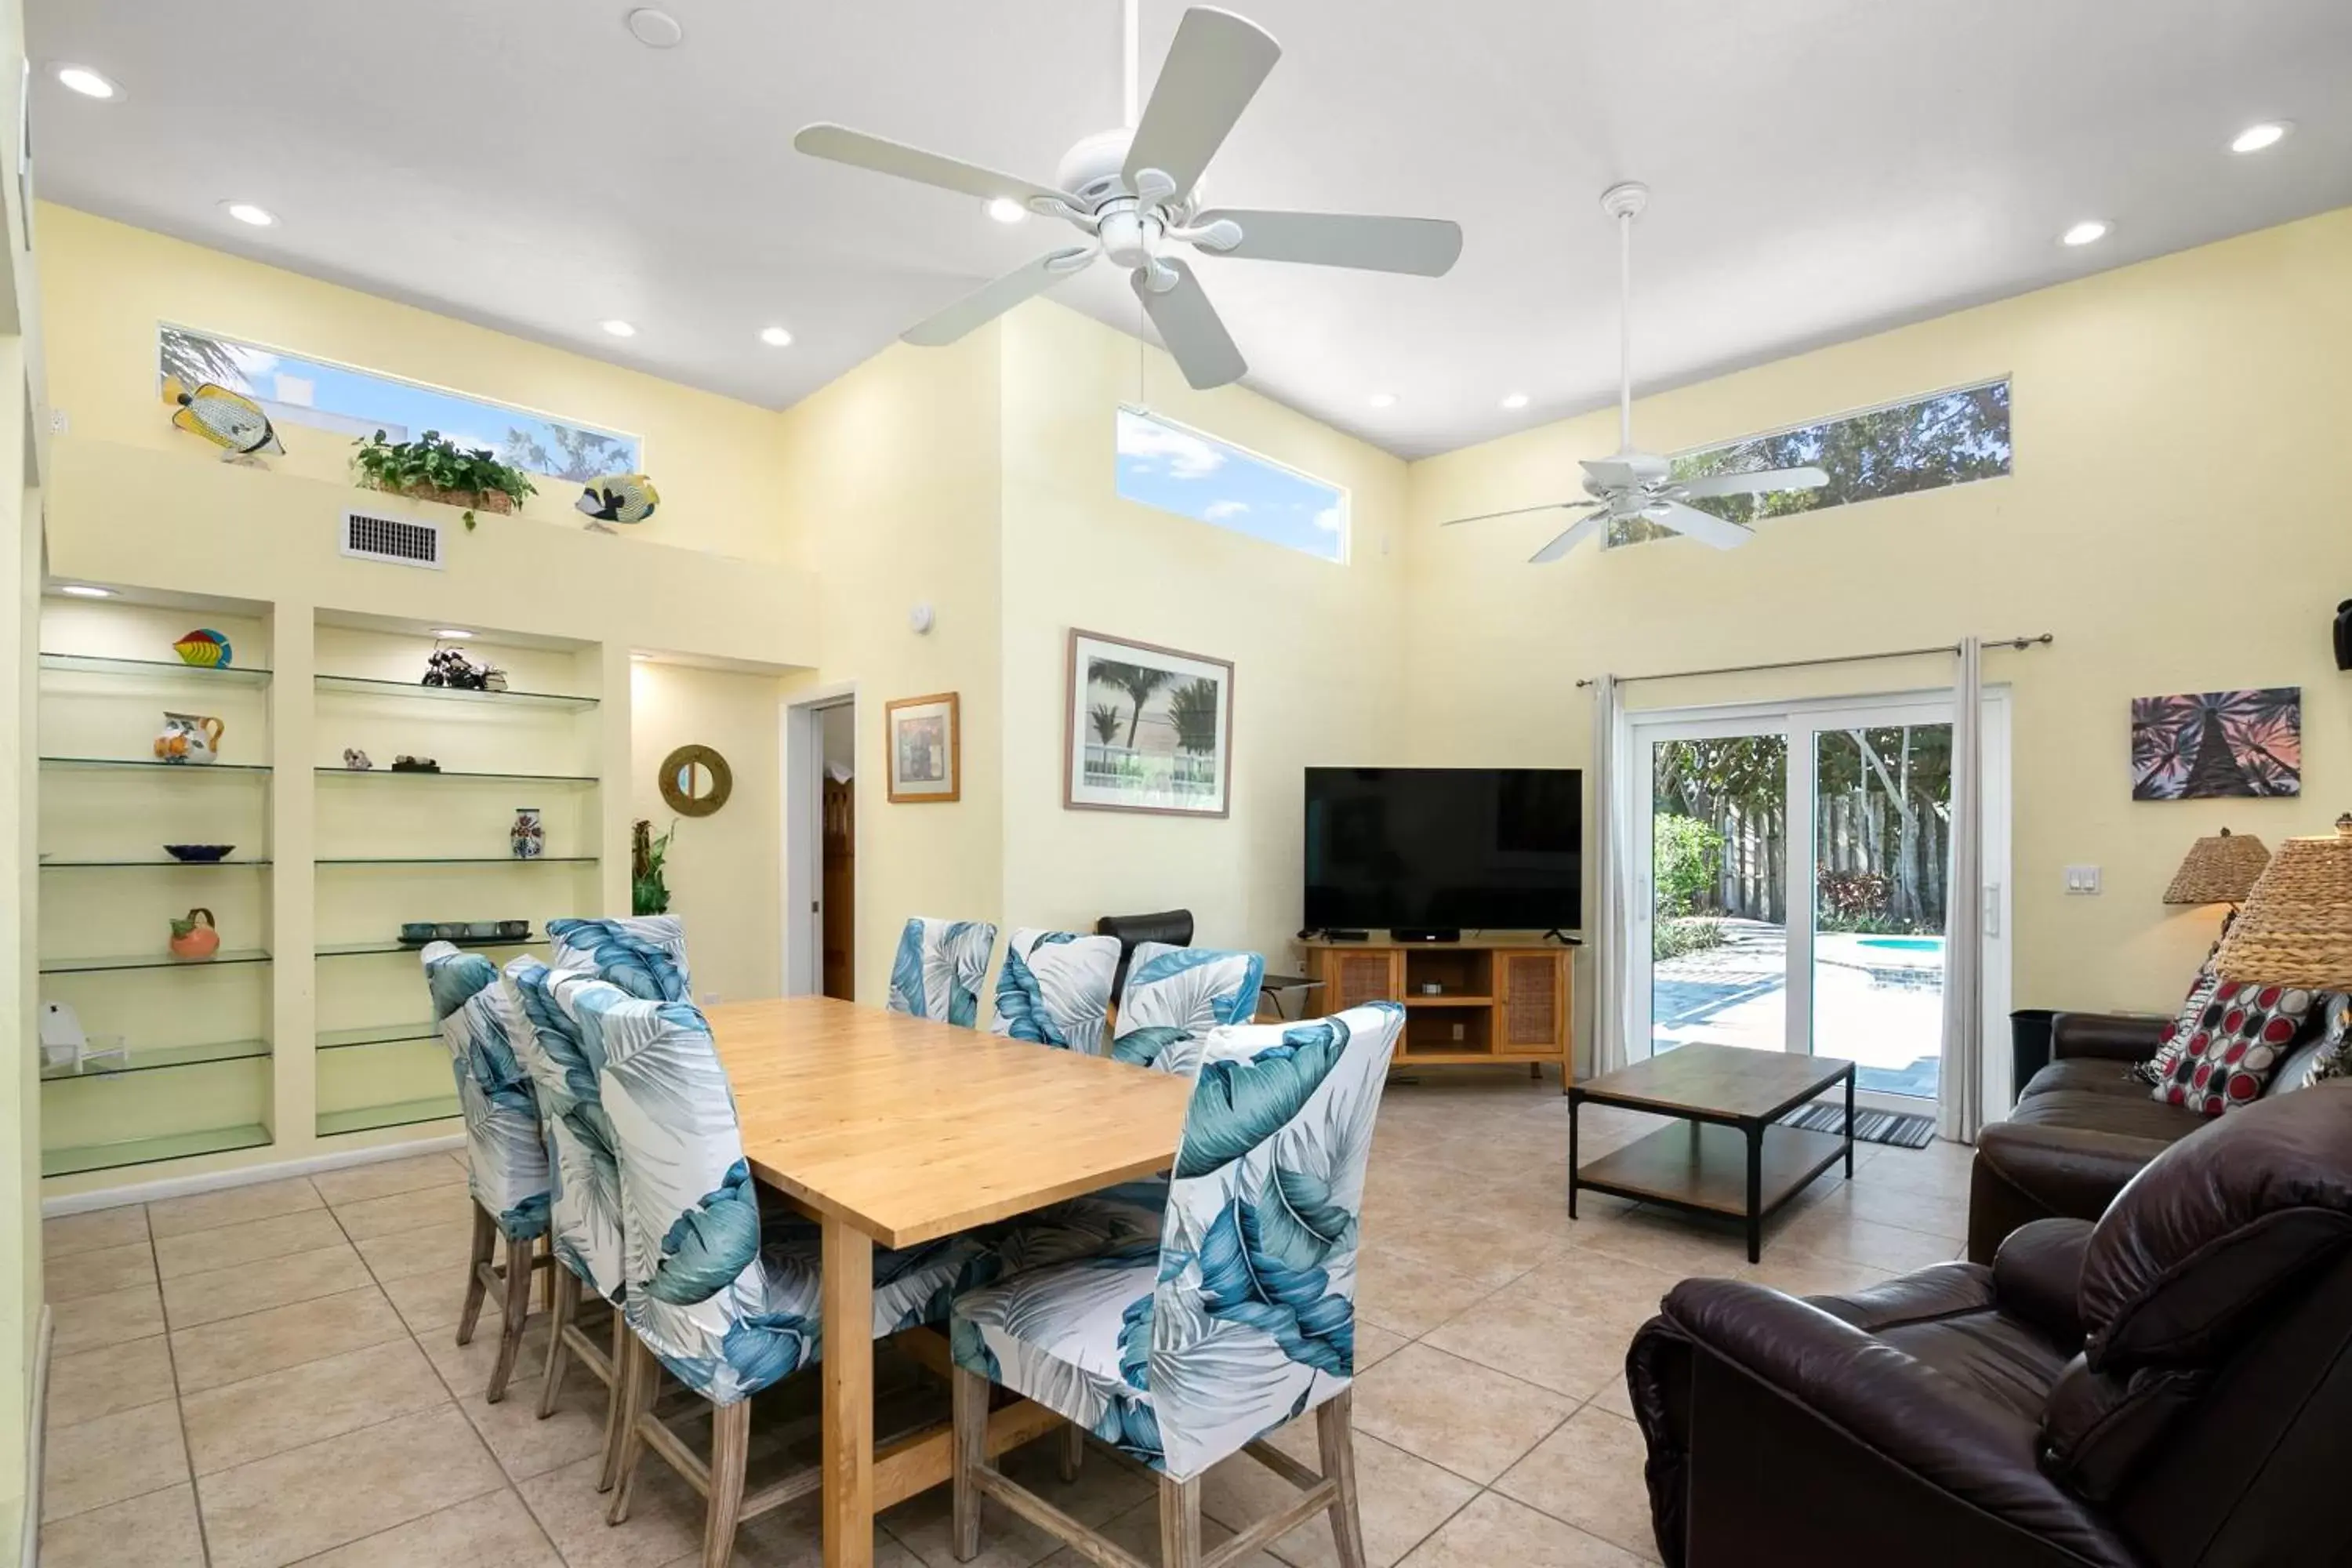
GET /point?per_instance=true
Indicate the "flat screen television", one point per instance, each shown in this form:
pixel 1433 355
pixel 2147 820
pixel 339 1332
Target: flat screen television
pixel 1475 848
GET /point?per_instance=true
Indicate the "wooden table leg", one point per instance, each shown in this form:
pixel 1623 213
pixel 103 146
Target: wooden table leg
pixel 848 1373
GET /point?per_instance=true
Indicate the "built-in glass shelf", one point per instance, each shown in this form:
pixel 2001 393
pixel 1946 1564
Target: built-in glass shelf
pixel 353 949
pixel 460 860
pixel 151 668
pixel 152 960
pixel 185 769
pixel 149 1151
pixel 574 779
pixel 368 685
pixel 156 1059
pixel 148 865
pixel 400 1113
pixel 376 1035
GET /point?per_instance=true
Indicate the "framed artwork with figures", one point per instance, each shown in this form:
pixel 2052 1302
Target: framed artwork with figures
pixel 1149 729
pixel 924 740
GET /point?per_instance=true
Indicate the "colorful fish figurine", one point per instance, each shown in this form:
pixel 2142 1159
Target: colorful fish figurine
pixel 204 648
pixel 620 498
pixel 229 420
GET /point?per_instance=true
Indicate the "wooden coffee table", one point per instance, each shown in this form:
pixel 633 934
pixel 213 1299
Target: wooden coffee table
pixel 1735 1158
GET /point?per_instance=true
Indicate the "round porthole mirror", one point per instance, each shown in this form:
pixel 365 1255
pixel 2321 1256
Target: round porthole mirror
pixel 696 781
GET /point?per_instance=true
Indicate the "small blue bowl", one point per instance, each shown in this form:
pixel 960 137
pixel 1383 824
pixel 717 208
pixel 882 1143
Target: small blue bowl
pixel 198 854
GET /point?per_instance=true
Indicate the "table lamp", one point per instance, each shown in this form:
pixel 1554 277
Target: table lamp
pixel 2296 926
pixel 2219 870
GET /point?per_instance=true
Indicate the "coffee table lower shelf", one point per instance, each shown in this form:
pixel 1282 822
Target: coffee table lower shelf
pixel 1701 1167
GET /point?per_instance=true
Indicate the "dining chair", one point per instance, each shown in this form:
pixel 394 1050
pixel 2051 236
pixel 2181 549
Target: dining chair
pixel 1175 996
pixel 938 969
pixel 725 1310
pixel 644 955
pixel 506 1157
pixel 1240 1318
pixel 1055 988
pixel 586 1190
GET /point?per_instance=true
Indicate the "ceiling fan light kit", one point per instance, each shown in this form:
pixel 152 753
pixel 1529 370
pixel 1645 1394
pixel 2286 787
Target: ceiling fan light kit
pixel 1640 486
pixel 1135 193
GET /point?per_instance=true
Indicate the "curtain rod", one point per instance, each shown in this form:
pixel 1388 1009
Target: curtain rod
pixel 2017 642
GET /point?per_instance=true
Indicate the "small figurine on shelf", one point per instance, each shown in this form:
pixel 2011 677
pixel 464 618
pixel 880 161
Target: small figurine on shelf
pixel 196 937
pixel 404 763
pixel 528 838
pixel 447 667
pixel 204 649
pixel 359 761
pixel 493 677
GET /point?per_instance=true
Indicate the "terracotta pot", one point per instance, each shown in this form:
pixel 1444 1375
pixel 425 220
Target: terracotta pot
pixel 196 937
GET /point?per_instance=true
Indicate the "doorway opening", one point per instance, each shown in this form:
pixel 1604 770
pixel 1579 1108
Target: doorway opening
pixel 820 769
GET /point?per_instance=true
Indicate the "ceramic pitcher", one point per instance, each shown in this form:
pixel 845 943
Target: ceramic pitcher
pixel 195 936
pixel 189 737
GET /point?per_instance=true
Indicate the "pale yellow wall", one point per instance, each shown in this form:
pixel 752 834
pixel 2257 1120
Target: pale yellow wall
pixel 891 496
pixel 1316 660
pixel 722 869
pixel 109 285
pixel 2162 520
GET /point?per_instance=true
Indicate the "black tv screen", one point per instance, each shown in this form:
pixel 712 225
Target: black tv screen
pixel 1481 848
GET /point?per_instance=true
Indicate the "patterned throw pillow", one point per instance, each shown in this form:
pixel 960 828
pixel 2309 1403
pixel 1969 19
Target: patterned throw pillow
pixel 2157 1070
pixel 2335 1058
pixel 2228 1062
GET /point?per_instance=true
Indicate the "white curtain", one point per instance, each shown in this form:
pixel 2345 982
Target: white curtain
pixel 1609 927
pixel 1961 1106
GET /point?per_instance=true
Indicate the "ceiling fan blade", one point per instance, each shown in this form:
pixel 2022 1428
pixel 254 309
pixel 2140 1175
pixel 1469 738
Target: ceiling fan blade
pixel 1624 468
pixel 1583 527
pixel 840 144
pixel 1754 484
pixel 1189 325
pixel 1518 511
pixel 992 301
pixel 1703 526
pixel 1424 247
pixel 1213 70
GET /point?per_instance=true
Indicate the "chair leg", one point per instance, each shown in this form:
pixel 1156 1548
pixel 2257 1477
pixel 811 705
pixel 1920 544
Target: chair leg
pixel 1074 1451
pixel 478 1257
pixel 971 1398
pixel 1335 1430
pixel 731 1444
pixel 518 1312
pixel 1180 1523
pixel 644 1374
pixel 561 1311
pixel 614 1402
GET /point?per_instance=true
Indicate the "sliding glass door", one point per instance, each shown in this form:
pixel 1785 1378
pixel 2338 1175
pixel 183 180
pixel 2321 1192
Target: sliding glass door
pixel 1795 894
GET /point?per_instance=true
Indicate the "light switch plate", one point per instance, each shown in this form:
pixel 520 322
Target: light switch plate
pixel 2082 880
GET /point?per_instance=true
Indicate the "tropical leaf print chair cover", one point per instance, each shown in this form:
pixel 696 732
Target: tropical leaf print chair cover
pixel 1242 1316
pixel 1055 988
pixel 938 967
pixel 726 1316
pixel 1175 996
pixel 586 1185
pixel 644 955
pixel 505 1159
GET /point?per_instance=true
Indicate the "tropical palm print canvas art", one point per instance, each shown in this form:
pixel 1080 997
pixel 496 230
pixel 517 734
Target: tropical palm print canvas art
pixel 1149 729
pixel 2211 745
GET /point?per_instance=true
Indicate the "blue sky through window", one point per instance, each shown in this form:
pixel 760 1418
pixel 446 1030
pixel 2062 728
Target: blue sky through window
pixel 1165 466
pixel 357 402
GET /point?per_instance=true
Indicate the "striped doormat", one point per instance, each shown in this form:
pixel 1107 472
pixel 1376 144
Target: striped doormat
pixel 1896 1127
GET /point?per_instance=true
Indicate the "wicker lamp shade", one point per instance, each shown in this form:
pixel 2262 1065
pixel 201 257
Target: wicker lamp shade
pixel 2219 870
pixel 2296 926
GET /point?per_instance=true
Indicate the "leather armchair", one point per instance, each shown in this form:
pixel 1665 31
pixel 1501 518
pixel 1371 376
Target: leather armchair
pixel 2166 1388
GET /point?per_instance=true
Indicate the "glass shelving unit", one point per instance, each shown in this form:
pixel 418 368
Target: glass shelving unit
pixel 400 1113
pixel 369 686
pixel 192 770
pixel 68 1161
pixel 376 1035
pixel 459 861
pixel 226 956
pixel 577 780
pixel 165 864
pixel 155 669
pixel 159 1058
pixel 471 944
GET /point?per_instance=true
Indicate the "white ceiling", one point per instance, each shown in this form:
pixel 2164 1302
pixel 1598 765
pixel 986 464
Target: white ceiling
pixel 1822 168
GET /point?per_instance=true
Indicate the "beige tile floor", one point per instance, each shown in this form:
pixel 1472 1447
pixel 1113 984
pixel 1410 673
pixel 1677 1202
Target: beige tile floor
pixel 268 1375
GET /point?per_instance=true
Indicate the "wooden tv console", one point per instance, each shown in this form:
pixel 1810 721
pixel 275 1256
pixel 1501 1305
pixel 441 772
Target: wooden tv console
pixel 1496 1001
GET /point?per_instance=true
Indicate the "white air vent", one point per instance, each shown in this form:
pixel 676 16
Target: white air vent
pixel 399 539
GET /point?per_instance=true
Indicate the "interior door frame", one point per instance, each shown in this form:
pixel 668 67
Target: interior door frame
pixel 1798 720
pixel 802 741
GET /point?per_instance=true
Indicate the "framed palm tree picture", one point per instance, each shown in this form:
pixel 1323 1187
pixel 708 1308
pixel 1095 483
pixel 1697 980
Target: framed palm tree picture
pixel 2210 745
pixel 1147 728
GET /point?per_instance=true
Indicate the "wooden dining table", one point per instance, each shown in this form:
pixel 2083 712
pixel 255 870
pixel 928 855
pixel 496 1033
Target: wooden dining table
pixel 893 1130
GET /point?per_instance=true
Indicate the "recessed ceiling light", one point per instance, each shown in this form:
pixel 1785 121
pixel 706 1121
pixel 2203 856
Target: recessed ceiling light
pixel 2089 231
pixel 246 211
pixel 619 328
pixel 1515 400
pixel 85 591
pixel 452 634
pixel 1005 209
pixel 655 29
pixel 2255 138
pixel 1383 400
pixel 775 337
pixel 88 82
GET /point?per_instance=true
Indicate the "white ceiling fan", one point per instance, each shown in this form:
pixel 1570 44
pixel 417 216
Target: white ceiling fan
pixel 1135 194
pixel 1636 484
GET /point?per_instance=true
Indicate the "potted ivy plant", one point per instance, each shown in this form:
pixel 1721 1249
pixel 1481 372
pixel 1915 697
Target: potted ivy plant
pixel 433 467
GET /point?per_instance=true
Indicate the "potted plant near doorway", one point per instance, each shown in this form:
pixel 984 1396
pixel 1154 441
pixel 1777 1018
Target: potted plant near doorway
pixel 433 467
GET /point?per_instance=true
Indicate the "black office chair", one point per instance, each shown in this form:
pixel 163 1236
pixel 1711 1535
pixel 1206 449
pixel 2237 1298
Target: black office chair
pixel 1174 927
